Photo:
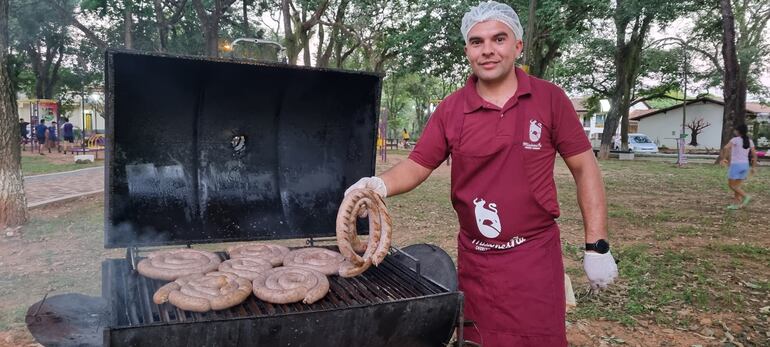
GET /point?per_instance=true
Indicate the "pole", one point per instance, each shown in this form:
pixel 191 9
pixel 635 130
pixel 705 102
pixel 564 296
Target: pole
pixel 684 102
pixel 683 142
pixel 83 123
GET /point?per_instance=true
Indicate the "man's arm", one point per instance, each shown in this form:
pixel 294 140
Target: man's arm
pixel 600 269
pixel 404 177
pixel 590 194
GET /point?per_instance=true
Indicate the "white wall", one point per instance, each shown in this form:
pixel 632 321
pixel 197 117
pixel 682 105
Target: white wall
pixel 75 116
pixel 664 127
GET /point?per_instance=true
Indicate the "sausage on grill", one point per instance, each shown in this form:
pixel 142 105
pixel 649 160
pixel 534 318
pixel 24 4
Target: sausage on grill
pixel 288 284
pixel 322 260
pixel 247 268
pixel 168 265
pixel 201 293
pixel 270 252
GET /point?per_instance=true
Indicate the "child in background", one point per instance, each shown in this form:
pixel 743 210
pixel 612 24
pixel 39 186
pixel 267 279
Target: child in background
pixel 740 148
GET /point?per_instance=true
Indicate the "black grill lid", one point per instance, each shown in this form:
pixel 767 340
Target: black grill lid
pixel 205 150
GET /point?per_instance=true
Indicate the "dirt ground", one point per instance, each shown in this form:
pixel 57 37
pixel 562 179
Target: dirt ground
pixel 692 273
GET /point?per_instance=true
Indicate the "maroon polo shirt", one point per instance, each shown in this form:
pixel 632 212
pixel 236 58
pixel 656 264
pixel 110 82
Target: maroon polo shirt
pixel 557 129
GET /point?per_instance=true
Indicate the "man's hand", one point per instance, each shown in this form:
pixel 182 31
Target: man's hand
pixel 601 269
pixel 374 183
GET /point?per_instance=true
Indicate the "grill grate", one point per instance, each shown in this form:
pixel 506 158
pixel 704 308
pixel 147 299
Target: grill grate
pixel 391 281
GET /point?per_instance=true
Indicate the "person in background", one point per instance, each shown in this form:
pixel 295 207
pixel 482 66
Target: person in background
pixel 23 129
pixel 405 137
pixel 40 134
pixel 737 153
pixel 53 138
pixel 67 134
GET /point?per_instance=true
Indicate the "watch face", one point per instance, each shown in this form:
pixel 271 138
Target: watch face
pixel 602 246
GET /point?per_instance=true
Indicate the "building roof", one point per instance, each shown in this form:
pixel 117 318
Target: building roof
pixel 636 114
pixel 579 105
pixel 751 108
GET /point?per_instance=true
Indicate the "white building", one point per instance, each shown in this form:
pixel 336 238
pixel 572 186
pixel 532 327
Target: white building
pixel 593 123
pixel 664 126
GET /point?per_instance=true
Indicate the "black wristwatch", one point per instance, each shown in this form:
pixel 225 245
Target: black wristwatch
pixel 601 246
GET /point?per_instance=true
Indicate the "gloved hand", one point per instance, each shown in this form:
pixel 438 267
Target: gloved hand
pixel 601 269
pixel 374 183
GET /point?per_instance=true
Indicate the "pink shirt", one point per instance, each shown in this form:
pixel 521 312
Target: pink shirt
pixel 739 155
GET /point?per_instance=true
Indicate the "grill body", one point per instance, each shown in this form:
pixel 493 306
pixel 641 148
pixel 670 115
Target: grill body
pixel 386 306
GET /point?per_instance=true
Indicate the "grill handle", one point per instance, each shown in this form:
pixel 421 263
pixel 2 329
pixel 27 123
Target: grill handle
pixel 415 260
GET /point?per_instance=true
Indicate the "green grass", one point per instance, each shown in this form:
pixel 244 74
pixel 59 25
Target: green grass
pixel 746 251
pixel 63 251
pixel 653 284
pixel 39 165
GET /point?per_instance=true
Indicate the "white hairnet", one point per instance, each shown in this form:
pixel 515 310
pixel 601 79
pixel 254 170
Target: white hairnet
pixel 491 10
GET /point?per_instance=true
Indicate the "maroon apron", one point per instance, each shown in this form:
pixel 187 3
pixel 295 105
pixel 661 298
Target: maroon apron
pixel 509 253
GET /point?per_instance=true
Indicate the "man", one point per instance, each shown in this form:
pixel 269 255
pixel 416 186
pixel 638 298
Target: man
pixel 67 134
pixel 40 131
pixel 23 129
pixel 405 137
pixel 53 137
pixel 503 130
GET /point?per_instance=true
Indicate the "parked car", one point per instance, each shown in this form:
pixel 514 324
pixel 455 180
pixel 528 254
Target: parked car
pixel 641 143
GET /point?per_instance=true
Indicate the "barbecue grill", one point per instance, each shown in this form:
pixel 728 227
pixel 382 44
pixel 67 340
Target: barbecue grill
pixel 210 150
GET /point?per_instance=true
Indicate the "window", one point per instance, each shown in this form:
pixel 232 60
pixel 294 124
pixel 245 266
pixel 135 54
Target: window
pixel 599 121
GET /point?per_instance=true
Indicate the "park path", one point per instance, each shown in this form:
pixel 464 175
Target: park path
pixel 55 187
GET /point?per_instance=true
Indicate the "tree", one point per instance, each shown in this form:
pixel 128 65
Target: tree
pixel 297 26
pixel 432 43
pixel 13 202
pixel 167 14
pixel 210 20
pixel 632 20
pixel 734 92
pixel 731 37
pixel 696 127
pixel 557 23
pixel 592 67
pixel 335 45
pixel 43 40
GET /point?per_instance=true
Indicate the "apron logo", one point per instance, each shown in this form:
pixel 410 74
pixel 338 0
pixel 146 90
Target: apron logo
pixel 535 131
pixel 487 219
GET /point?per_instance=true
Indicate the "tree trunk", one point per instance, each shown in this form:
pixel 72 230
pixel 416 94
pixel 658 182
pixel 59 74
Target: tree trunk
pixel 246 19
pixel 210 23
pixel 211 33
pixel 627 62
pixel 529 42
pixel 290 40
pixel 45 70
pixel 160 24
pixel 13 202
pixel 128 26
pixel 734 112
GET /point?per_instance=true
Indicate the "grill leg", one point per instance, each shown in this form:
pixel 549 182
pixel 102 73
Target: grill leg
pixel 461 322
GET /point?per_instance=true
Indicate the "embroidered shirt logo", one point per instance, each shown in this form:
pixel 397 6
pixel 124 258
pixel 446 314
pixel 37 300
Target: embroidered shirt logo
pixel 535 132
pixel 487 219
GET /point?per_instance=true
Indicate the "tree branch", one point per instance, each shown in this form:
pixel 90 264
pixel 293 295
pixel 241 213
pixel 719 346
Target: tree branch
pixel 69 17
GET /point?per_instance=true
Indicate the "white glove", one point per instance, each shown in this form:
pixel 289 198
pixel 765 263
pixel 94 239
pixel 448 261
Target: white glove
pixel 374 183
pixel 601 269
